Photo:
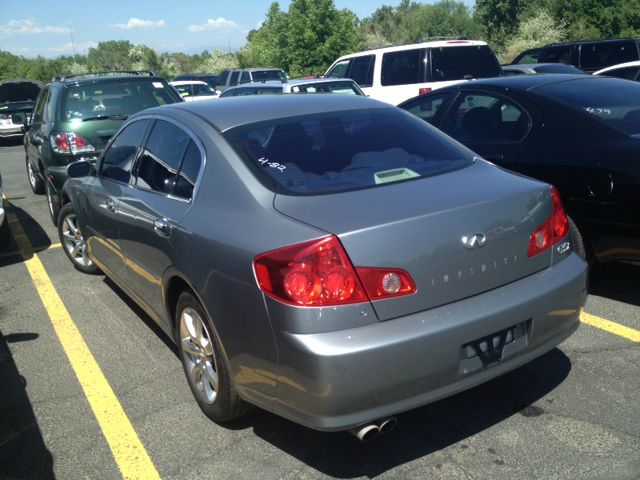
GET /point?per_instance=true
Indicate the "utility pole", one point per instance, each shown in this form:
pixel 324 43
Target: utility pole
pixel 73 43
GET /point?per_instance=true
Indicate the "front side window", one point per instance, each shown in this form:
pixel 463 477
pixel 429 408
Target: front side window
pixel 339 69
pixel 482 118
pixel 341 151
pixel 559 54
pixel 160 160
pixel 118 159
pixel 402 68
pixel 244 78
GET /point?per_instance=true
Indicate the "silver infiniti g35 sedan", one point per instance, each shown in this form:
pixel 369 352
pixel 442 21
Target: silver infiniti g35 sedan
pixel 332 259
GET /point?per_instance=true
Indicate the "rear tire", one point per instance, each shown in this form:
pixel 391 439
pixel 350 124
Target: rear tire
pixel 73 242
pixel 203 364
pixel 52 204
pixel 33 177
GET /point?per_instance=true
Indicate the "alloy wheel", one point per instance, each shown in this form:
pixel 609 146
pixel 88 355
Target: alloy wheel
pixel 73 241
pixel 198 355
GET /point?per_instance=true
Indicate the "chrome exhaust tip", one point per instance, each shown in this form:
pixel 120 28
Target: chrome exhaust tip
pixel 388 424
pixel 366 433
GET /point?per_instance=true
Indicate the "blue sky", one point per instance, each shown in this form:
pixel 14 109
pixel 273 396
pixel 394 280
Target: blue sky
pixel 51 29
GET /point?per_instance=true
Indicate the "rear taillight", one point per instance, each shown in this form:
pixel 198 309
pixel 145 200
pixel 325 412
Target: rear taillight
pixel 424 90
pixel 319 273
pixel 69 142
pixel 553 230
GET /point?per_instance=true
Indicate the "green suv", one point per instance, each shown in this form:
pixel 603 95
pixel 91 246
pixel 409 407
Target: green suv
pixel 74 118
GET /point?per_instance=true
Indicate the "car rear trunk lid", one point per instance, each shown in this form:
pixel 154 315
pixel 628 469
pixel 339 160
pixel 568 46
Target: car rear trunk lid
pixel 419 226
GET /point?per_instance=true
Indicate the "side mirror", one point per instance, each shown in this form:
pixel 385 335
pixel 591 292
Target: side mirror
pixel 81 168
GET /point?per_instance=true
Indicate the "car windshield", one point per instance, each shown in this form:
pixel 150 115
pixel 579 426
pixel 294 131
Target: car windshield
pixel 339 86
pixel 114 99
pixel 267 75
pixel 612 101
pixel 340 151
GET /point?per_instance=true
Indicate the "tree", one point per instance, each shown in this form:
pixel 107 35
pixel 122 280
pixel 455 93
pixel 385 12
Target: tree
pixel 587 19
pixel 537 31
pixel 499 18
pixel 111 55
pixel 413 22
pixel 303 40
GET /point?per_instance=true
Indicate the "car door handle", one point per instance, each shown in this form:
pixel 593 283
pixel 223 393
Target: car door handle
pixel 111 205
pixel 162 227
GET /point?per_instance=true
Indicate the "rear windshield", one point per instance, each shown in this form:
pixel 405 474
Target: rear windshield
pixel 117 99
pixel 456 63
pixel 267 75
pixel 612 101
pixel 340 151
pixel 339 86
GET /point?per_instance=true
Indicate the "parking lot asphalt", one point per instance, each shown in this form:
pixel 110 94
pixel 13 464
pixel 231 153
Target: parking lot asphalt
pixel 572 413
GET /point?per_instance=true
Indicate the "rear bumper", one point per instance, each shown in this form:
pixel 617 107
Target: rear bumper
pixel 7 131
pixel 338 380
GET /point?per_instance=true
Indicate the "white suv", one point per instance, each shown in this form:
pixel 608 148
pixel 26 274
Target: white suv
pixel 395 74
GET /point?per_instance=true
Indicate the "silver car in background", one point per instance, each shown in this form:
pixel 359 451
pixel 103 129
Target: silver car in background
pixel 331 259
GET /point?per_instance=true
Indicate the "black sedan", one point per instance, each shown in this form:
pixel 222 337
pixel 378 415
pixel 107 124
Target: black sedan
pixel 577 132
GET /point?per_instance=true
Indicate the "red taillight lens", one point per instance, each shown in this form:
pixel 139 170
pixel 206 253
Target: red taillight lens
pixel 69 142
pixel 319 273
pixel 386 282
pixel 422 91
pixel 553 230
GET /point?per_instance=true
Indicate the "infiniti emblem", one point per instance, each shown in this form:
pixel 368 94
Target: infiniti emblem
pixel 474 241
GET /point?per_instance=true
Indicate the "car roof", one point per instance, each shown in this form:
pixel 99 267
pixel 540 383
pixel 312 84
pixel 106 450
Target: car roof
pixel 304 81
pixel 187 82
pixel 105 77
pixel 432 44
pixel 635 63
pixel 258 69
pixel 523 82
pixel 226 113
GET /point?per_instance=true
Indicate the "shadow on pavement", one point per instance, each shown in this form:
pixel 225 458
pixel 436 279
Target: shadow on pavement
pixel 23 453
pixel 422 431
pixel 38 238
pixel 617 281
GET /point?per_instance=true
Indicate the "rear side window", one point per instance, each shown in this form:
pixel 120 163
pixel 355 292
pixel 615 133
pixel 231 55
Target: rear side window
pixel 268 75
pixel 340 151
pixel 234 78
pixel 160 160
pixel 118 159
pixel 361 70
pixel 457 63
pixel 245 78
pixel 189 170
pixel 402 68
pixel 599 55
pixel 426 107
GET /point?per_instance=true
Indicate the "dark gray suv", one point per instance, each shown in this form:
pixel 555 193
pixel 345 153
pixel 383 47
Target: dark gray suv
pixel 74 118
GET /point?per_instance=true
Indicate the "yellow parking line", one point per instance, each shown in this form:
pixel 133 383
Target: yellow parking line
pixel 611 327
pixel 129 453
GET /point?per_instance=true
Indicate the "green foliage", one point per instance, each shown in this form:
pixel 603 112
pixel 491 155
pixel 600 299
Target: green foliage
pixel 216 62
pixel 111 55
pixel 305 39
pixel 591 19
pixel 499 18
pixel 413 22
pixel 537 31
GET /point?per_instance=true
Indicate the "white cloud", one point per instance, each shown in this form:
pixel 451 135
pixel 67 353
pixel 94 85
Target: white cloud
pixel 139 23
pixel 29 27
pixel 211 24
pixel 68 48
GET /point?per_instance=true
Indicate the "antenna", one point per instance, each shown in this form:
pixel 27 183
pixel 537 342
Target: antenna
pixel 73 43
